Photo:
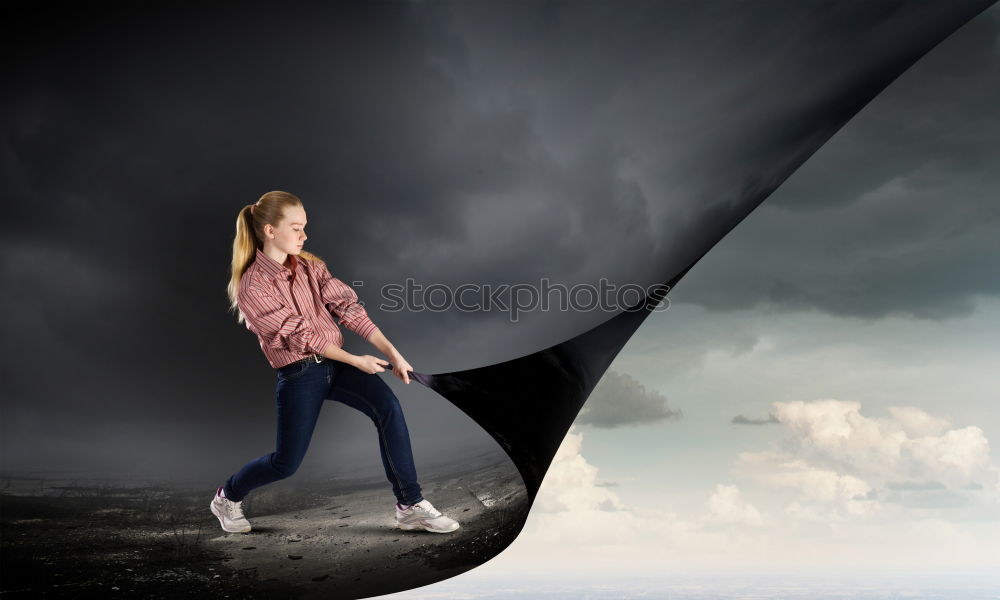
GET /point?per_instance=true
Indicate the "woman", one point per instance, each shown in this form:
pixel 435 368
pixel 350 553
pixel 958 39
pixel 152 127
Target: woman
pixel 288 298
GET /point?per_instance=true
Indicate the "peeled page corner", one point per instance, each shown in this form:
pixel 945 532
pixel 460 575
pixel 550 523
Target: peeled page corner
pixel 528 404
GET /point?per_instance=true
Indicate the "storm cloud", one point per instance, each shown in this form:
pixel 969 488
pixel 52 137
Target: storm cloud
pixel 620 400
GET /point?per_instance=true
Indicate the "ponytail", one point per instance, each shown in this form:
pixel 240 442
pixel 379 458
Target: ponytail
pixel 245 246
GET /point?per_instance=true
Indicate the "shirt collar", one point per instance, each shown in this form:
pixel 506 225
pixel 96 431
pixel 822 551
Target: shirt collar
pixel 273 268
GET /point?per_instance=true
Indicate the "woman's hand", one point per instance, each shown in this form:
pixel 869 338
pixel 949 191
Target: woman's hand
pixel 370 364
pixel 401 368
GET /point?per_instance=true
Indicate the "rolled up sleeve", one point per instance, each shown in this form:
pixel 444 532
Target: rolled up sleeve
pixel 342 301
pixel 278 325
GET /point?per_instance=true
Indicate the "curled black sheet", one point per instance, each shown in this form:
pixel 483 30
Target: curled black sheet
pixel 527 404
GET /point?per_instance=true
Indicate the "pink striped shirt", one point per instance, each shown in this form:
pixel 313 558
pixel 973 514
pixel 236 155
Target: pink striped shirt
pixel 291 309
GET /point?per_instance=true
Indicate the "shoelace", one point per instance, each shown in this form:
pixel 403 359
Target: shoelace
pixel 235 509
pixel 433 512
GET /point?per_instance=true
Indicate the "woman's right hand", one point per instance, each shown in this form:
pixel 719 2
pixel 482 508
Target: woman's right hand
pixel 370 364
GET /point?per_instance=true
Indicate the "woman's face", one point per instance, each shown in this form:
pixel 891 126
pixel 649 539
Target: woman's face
pixel 289 234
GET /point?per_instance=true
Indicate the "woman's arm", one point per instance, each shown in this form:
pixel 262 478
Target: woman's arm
pixel 335 352
pixel 342 301
pixel 384 346
pixel 399 365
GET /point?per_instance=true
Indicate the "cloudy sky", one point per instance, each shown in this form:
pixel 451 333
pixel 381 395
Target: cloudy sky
pixel 824 373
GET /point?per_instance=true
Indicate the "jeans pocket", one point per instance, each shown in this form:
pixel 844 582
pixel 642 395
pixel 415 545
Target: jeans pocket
pixel 293 371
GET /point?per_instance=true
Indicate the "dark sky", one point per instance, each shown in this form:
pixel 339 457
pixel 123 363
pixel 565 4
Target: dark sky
pixel 449 143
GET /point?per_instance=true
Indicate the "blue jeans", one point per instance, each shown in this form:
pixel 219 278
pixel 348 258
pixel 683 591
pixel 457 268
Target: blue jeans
pixel 302 389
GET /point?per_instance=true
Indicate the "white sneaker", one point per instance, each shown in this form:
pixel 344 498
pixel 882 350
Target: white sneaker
pixel 423 515
pixel 230 513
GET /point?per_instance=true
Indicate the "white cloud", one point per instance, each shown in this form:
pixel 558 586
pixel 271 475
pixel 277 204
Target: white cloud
pixel 571 482
pixel 838 493
pixel 726 505
pixel 841 462
pixel 836 430
pixel 960 457
pixel 917 423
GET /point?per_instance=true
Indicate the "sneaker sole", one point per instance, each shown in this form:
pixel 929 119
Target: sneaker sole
pixel 215 511
pixel 412 527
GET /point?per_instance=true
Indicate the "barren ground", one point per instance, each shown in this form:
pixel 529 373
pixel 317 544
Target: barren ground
pixel 310 539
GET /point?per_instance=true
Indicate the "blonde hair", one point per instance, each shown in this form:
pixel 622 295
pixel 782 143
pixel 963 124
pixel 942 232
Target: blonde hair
pixel 269 209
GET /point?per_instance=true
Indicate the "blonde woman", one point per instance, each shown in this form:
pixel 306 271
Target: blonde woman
pixel 288 298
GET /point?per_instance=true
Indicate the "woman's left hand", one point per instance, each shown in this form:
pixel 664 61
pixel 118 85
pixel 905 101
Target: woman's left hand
pixel 401 368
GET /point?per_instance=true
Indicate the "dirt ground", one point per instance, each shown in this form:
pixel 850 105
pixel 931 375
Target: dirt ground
pixel 331 539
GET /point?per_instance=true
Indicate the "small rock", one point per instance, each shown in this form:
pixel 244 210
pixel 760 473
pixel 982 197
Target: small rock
pixel 294 556
pixel 320 577
pixel 250 548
